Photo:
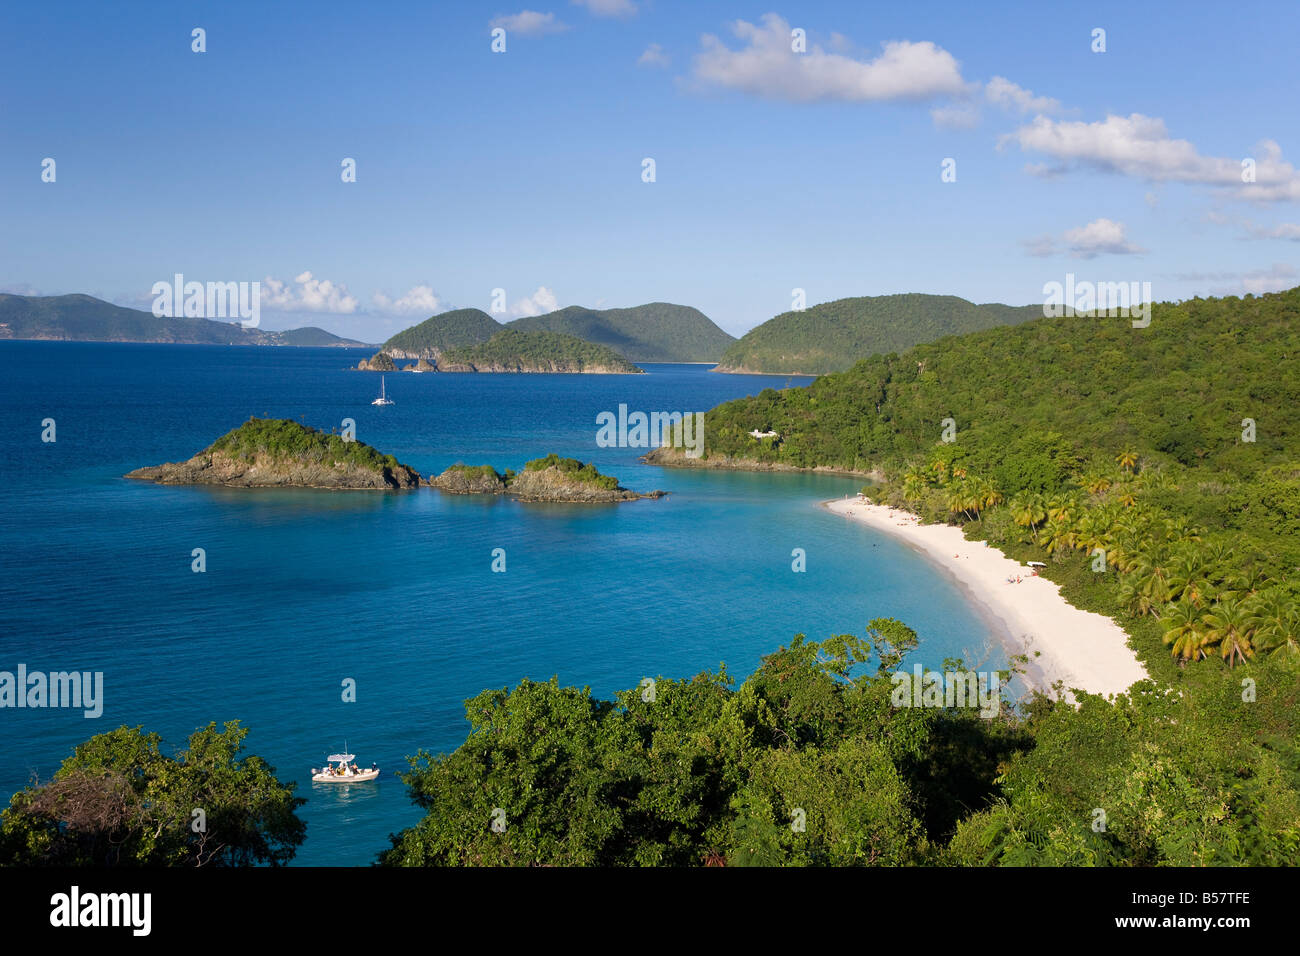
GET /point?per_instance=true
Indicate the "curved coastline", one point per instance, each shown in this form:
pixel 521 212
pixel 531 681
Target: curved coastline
pixel 1081 649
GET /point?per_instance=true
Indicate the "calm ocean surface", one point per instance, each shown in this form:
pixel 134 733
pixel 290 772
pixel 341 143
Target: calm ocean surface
pixel 306 588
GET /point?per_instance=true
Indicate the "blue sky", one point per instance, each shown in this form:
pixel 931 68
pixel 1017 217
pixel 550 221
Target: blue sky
pixel 522 170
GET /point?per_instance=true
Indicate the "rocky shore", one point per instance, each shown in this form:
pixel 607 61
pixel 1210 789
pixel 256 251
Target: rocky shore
pixel 277 453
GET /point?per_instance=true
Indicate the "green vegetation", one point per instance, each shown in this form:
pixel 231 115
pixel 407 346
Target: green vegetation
pixel 833 335
pixel 1077 434
pixel 536 351
pixel 309 336
pixel 280 438
pixel 83 318
pixel 810 762
pixel 657 332
pixel 448 330
pixel 118 801
pixel 574 470
pixel 476 471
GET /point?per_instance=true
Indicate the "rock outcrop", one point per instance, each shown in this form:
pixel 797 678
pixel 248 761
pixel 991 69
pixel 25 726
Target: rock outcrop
pixel 276 453
pixel 379 362
pixel 545 479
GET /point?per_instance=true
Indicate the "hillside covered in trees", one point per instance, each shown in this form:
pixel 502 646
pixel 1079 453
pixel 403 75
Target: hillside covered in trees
pixel 813 762
pixel 513 351
pixel 1170 449
pixel 833 335
pixel 656 332
pixel 84 318
pixel 447 330
pixel 1155 470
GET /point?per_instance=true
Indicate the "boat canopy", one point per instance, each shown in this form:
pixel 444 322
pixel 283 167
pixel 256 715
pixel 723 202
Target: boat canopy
pixel 341 758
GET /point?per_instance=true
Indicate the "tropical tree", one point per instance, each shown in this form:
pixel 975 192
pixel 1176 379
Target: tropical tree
pixel 1028 510
pixel 1127 460
pixel 119 801
pixel 1183 631
pixel 1230 627
pixel 1277 623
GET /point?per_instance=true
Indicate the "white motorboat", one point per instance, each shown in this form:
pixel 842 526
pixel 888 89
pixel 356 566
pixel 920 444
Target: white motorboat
pixel 383 398
pixel 342 768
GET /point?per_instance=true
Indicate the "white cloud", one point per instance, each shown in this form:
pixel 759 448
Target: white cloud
pixel 1003 93
pixel 1097 238
pixel 306 294
pixel 1041 246
pixel 654 55
pixel 1277 278
pixel 539 303
pixel 1283 230
pixel 1140 146
pixel 528 23
pixel 419 300
pixel 956 116
pixel 766 66
pixel 608 8
pixel 1100 237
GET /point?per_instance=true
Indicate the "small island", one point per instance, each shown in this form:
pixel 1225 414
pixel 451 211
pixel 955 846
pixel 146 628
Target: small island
pixel 543 479
pixel 512 351
pixel 278 453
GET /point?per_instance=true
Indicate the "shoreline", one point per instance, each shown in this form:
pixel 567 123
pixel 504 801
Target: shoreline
pixel 1081 649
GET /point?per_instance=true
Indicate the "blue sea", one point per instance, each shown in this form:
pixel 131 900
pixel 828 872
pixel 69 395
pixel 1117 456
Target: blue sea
pixel 304 590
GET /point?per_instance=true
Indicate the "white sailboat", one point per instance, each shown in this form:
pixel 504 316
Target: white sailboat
pixel 383 398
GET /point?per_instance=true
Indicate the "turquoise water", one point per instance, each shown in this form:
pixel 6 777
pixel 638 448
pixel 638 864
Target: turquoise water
pixel 304 589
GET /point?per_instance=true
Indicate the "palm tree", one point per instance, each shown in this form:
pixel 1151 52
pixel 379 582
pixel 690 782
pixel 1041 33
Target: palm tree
pixel 1096 482
pixel 987 493
pixel 1182 631
pixel 1060 507
pixel 914 484
pixel 1152 581
pixel 1180 529
pixel 960 501
pixel 1027 510
pixel 1248 580
pixel 1127 460
pixel 1059 534
pixel 1277 624
pixel 1229 627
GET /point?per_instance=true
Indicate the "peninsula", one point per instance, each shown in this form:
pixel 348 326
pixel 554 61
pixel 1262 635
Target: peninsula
pixel 278 453
pixel 513 351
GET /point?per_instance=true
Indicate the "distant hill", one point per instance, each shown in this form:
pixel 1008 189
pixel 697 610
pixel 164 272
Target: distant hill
pixel 447 330
pixel 831 336
pixel 83 318
pixel 513 351
pixel 309 336
pixel 656 332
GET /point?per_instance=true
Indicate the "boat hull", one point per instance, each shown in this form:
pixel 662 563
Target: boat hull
pixel 360 777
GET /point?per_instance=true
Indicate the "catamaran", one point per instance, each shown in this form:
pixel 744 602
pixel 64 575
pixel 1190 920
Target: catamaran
pixel 383 398
pixel 346 771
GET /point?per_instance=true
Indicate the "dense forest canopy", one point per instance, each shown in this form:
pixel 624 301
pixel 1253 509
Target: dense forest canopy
pixel 1170 449
pixel 446 330
pixel 833 335
pixel 655 332
pixel 544 350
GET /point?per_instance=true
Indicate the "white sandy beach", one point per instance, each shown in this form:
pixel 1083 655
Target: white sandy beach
pixel 1080 648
